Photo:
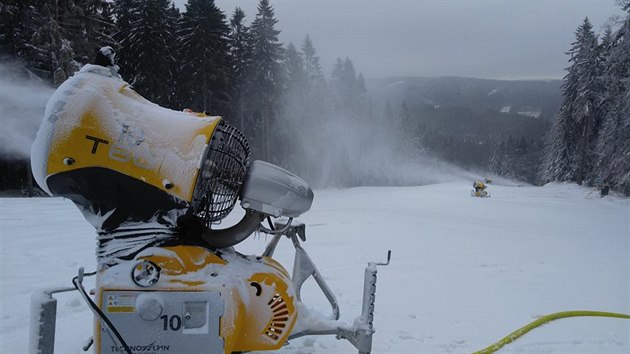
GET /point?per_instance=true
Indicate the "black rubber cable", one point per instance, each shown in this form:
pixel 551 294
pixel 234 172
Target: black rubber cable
pixel 79 287
pixel 270 224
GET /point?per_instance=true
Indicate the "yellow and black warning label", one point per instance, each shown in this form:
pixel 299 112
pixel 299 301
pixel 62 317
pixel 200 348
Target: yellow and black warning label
pixel 120 303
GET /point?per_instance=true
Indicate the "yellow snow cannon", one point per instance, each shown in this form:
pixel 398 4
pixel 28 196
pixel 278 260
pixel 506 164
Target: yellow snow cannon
pixel 479 190
pixel 154 183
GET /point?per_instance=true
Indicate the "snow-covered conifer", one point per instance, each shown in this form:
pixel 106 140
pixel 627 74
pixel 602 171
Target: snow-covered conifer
pixel 614 141
pixel 37 36
pixel 266 72
pixel 295 68
pixel 241 54
pixel 146 49
pixel 571 142
pixel 311 60
pixel 88 25
pixel 206 67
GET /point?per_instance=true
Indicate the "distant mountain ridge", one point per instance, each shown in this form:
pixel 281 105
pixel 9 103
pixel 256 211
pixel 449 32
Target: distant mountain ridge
pixel 533 98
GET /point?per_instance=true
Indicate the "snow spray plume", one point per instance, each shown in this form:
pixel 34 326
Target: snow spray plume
pixel 22 104
pixel 333 148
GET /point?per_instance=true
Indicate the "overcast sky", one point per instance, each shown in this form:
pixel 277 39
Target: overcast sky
pixel 507 39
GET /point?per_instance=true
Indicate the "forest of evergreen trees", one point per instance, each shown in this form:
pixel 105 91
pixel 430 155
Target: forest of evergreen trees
pixel 589 142
pixel 325 129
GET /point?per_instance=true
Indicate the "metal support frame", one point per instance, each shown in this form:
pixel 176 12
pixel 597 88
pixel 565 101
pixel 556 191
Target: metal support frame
pixel 43 320
pixel 304 268
pixel 360 332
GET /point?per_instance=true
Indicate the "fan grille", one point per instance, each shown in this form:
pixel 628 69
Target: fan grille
pixel 222 173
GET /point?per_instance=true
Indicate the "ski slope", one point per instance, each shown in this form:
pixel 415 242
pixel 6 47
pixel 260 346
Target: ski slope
pixel 464 272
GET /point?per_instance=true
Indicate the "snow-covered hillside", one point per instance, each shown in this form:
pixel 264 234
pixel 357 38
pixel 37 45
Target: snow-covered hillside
pixel 464 271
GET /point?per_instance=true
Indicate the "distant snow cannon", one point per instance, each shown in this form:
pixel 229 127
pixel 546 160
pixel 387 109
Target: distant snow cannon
pixel 154 182
pixel 479 189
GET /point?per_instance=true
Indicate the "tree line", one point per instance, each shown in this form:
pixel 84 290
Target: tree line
pixel 507 144
pixel 589 142
pixel 197 58
pixel 326 130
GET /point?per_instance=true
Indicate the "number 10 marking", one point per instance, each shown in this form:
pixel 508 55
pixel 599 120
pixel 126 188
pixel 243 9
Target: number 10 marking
pixel 174 322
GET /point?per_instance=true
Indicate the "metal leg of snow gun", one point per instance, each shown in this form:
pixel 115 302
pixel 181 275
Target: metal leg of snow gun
pixel 360 332
pixel 303 268
pixel 44 317
pixel 43 320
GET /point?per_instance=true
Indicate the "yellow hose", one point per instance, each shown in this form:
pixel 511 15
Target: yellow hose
pixel 544 319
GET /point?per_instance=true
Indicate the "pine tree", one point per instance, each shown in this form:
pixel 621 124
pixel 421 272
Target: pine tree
pixel 35 36
pixel 10 19
pixel 311 60
pixel 558 162
pixel 56 37
pixel 88 25
pixel 588 101
pixel 266 72
pixel 125 11
pixel 337 71
pixel 316 87
pixel 613 148
pixel 295 68
pixel 571 142
pixel 340 84
pixel 291 113
pixel 241 53
pixel 349 81
pixel 348 86
pixel 172 23
pixel 146 46
pixel 206 67
pixel 51 51
pixel 606 147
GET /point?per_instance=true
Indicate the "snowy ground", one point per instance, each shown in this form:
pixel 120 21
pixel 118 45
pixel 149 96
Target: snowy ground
pixel 464 272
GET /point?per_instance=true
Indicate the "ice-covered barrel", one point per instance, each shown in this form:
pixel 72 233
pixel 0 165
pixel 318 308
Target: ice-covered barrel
pixel 118 156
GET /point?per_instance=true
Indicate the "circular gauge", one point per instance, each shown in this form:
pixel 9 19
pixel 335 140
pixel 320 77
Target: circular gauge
pixel 145 274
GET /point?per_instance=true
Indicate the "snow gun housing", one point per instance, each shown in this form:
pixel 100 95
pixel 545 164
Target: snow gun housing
pixel 154 182
pixel 123 159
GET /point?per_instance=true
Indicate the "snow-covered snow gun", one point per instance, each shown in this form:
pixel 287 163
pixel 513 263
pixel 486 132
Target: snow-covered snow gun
pixel 154 183
pixel 479 190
